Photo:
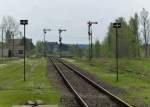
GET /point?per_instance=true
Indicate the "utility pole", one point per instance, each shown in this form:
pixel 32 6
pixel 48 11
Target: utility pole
pixel 90 39
pixel 117 26
pixel 45 31
pixel 89 34
pixel 2 43
pixel 60 41
pixel 24 23
pixel 13 47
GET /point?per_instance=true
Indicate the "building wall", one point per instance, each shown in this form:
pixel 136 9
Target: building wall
pixel 16 48
pixel 5 52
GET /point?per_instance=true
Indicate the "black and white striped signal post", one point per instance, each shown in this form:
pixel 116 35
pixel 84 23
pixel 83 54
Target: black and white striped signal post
pixel 117 26
pixel 24 23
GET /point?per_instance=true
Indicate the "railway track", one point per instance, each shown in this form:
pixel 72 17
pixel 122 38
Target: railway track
pixel 87 92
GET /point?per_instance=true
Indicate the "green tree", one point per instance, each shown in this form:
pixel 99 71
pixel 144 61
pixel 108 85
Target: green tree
pixel 145 23
pixel 78 51
pixel 125 40
pixel 134 26
pixel 97 49
pixel 29 44
pixel 39 47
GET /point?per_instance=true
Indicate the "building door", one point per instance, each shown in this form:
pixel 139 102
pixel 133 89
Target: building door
pixel 9 53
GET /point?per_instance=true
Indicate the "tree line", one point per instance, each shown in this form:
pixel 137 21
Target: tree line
pixel 133 37
pixel 9 28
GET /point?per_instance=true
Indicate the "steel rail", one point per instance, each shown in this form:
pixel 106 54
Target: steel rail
pixel 81 101
pixel 97 86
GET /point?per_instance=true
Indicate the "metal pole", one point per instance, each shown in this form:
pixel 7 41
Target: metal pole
pixel 44 46
pixel 13 44
pixel 44 42
pixel 60 49
pixel 2 45
pixel 117 53
pixel 60 41
pixel 90 39
pixel 60 44
pixel 89 33
pixel 91 47
pixel 24 54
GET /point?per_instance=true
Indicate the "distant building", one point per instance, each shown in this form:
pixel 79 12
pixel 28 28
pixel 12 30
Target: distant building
pixel 82 46
pixel 52 46
pixel 5 52
pixel 15 47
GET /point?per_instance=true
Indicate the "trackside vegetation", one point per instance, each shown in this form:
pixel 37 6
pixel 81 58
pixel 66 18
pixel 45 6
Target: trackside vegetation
pixel 14 91
pixel 134 76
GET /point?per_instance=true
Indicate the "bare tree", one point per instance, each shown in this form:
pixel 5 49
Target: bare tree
pixel 148 37
pixel 134 26
pixel 145 28
pixel 10 25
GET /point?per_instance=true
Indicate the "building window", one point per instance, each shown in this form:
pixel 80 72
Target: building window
pixel 20 51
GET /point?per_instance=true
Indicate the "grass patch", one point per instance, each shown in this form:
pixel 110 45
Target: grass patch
pixel 14 91
pixel 133 76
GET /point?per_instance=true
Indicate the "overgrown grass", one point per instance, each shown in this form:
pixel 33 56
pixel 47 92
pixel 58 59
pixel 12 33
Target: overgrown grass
pixel 14 91
pixel 134 76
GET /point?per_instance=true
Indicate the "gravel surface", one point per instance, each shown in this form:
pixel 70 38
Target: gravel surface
pixel 115 90
pixel 92 97
pixel 67 99
pixel 112 89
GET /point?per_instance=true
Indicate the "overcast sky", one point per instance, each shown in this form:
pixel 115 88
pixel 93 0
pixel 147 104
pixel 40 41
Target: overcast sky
pixel 71 15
